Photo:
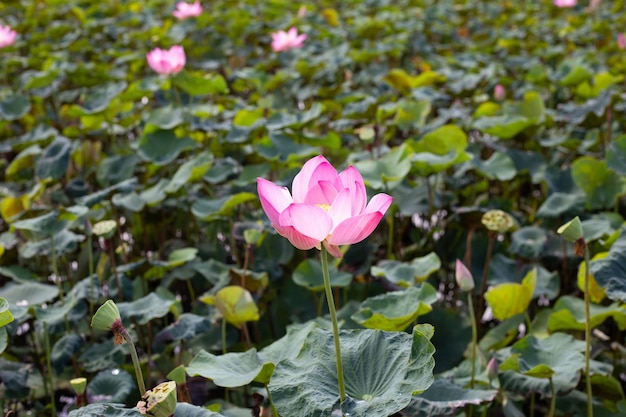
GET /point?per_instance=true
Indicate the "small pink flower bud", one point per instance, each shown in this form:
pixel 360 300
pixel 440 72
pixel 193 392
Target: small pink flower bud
pixel 492 369
pixel 621 41
pixel 499 93
pixel 463 276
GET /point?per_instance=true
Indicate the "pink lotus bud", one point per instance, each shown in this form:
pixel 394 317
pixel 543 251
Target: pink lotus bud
pixel 463 276
pixel 492 369
pixel 621 41
pixel 565 3
pixel 7 36
pixel 167 62
pixel 302 12
pixel 499 93
pixel 323 208
pixel 185 10
pixel 284 41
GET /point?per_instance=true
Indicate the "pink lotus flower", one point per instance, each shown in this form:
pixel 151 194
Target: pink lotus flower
pixel 327 207
pixel 7 36
pixel 284 41
pixel 565 3
pixel 499 93
pixel 167 62
pixel 621 41
pixel 185 10
pixel 464 278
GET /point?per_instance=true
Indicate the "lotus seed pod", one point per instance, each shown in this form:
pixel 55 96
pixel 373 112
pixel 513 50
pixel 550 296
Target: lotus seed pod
pixel 160 401
pixel 106 315
pixel 79 385
pixel 105 228
pixel 572 230
pixel 498 221
pixel 463 276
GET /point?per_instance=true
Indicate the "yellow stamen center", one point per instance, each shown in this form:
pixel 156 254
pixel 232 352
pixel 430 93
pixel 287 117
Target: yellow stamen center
pixel 324 206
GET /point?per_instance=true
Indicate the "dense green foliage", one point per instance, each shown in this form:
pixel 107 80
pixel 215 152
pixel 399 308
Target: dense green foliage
pixel 119 183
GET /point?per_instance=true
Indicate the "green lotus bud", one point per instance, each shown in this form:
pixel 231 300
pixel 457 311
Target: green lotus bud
pixel 463 276
pixel 498 221
pixel 252 236
pixel 492 369
pixel 572 230
pixel 160 401
pixel 105 228
pixel 79 385
pixel 106 316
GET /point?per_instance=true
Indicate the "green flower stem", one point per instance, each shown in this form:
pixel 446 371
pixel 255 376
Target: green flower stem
pixel 136 364
pixel 470 304
pixel 269 397
pixel 587 335
pixel 55 268
pixel 46 336
pixel 333 319
pixel 223 336
pixel 552 400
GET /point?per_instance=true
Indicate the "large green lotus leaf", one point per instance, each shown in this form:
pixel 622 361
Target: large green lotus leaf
pixel 288 346
pixel 560 204
pixel 504 127
pixel 14 106
pixel 387 171
pixel 499 166
pixel 92 199
pixel 110 386
pixel 574 75
pixel 130 201
pixel 163 146
pixel 189 410
pixel 54 313
pixel 601 184
pixel 235 304
pixel 105 355
pixel 447 142
pixel 186 327
pixel 212 209
pixel 167 117
pixel 5 314
pixel 558 356
pixel 528 242
pixel 532 106
pixel 64 349
pixel 569 314
pixel 14 375
pixel 105 410
pixel 407 274
pixel 396 310
pixel 501 335
pixel 610 272
pixel 99 98
pixel 4 339
pixel 283 120
pixel 65 241
pixel 28 294
pixel 231 369
pixel 412 114
pixel 279 146
pixel 200 84
pixel 116 169
pixel 616 154
pixel 382 370
pixel 445 398
pixel 44 225
pixel 308 274
pixel 190 171
pixel 25 159
pixel 155 194
pixel 510 299
pixel 145 308
pixel 222 170
pixel 54 160
pixel 591 113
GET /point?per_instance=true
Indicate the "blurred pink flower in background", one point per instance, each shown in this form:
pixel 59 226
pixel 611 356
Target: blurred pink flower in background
pixel 185 10
pixel 565 3
pixel 284 41
pixel 499 93
pixel 7 36
pixel 326 208
pixel 301 12
pixel 170 61
pixel 621 41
